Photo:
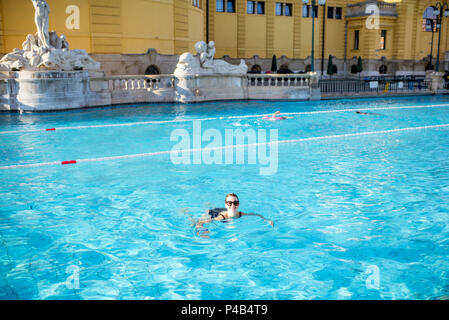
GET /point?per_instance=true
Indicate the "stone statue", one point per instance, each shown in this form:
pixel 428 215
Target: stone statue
pixel 64 43
pixel 15 61
pixel 187 64
pixel 206 53
pixel 211 50
pixel 41 17
pixel 55 41
pixel 46 50
pixel 29 43
pixel 205 63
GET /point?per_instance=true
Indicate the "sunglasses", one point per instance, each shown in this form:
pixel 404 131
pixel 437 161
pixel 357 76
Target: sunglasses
pixel 236 203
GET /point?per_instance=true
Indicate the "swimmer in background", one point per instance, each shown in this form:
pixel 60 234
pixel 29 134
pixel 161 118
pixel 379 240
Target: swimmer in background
pixel 374 114
pixel 276 116
pixel 232 203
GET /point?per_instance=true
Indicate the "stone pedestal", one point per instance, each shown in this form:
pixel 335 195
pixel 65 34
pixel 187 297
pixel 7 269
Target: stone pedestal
pixel 209 87
pixel 437 80
pixel 48 90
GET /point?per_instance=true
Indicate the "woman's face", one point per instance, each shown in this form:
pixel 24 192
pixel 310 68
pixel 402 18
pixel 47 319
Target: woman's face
pixel 232 203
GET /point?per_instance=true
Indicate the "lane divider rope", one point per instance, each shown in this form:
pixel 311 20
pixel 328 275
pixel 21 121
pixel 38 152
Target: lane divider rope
pixel 217 118
pixel 149 154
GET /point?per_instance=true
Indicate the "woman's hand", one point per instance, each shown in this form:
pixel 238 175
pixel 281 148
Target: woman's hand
pixel 202 232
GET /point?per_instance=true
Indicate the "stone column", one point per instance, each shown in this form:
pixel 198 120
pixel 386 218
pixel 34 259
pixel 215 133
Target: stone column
pixel 437 80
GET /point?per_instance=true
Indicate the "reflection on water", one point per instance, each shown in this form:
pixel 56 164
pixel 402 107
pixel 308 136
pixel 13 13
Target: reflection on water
pixel 356 218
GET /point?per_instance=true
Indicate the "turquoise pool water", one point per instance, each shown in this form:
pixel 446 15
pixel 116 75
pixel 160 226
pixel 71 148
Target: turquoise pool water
pixel 356 216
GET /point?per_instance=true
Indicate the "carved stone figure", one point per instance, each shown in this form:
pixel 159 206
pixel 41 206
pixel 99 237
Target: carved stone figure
pixel 205 63
pixel 187 64
pixel 30 44
pixel 15 60
pixel 55 40
pixel 206 53
pixel 201 50
pixel 221 66
pixel 81 60
pixel 41 17
pixel 46 50
pixel 64 43
pixel 211 50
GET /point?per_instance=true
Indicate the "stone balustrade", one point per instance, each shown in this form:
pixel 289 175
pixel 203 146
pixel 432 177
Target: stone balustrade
pixel 283 86
pixel 282 80
pixel 139 82
pixel 90 90
pixel 155 82
pixel 135 88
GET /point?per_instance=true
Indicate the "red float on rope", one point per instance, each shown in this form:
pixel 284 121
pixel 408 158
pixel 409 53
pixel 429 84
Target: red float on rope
pixel 68 162
pixel 51 129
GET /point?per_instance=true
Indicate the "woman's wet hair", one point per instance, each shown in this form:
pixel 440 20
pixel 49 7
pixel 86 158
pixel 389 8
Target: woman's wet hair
pixel 231 195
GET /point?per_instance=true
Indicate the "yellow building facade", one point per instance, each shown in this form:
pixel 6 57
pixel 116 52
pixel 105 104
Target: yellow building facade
pixel 240 28
pixel 108 26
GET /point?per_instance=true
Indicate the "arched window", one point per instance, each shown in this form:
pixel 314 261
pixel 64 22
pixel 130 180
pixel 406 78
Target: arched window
pixel 284 69
pixel 383 69
pixel 429 20
pixel 153 69
pixel 308 68
pixel 256 69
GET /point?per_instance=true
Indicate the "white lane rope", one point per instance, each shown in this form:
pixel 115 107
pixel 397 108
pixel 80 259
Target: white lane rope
pixel 127 124
pixel 150 154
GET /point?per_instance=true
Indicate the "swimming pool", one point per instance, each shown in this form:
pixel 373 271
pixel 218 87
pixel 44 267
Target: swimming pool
pixel 357 216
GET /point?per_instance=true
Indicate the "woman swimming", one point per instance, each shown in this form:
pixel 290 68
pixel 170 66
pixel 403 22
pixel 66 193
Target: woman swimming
pixel 276 116
pixel 232 203
pixel 374 114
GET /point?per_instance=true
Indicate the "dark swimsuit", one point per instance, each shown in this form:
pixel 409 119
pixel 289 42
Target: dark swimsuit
pixel 218 212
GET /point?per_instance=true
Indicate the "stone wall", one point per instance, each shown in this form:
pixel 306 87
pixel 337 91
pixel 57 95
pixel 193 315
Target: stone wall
pixel 134 64
pixel 56 90
pixel 137 64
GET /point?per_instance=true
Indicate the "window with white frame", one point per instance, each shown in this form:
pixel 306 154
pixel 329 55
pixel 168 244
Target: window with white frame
pixel 260 7
pixel 315 11
pixel 253 7
pixel 284 9
pixel 279 8
pixel 330 12
pixel 220 6
pixel 288 9
pixel 334 13
pixel 225 6
pixel 338 13
pixel 306 11
pixel 230 6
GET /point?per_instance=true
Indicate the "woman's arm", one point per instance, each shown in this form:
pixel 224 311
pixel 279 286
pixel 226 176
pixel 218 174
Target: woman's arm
pixel 259 215
pixel 200 223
